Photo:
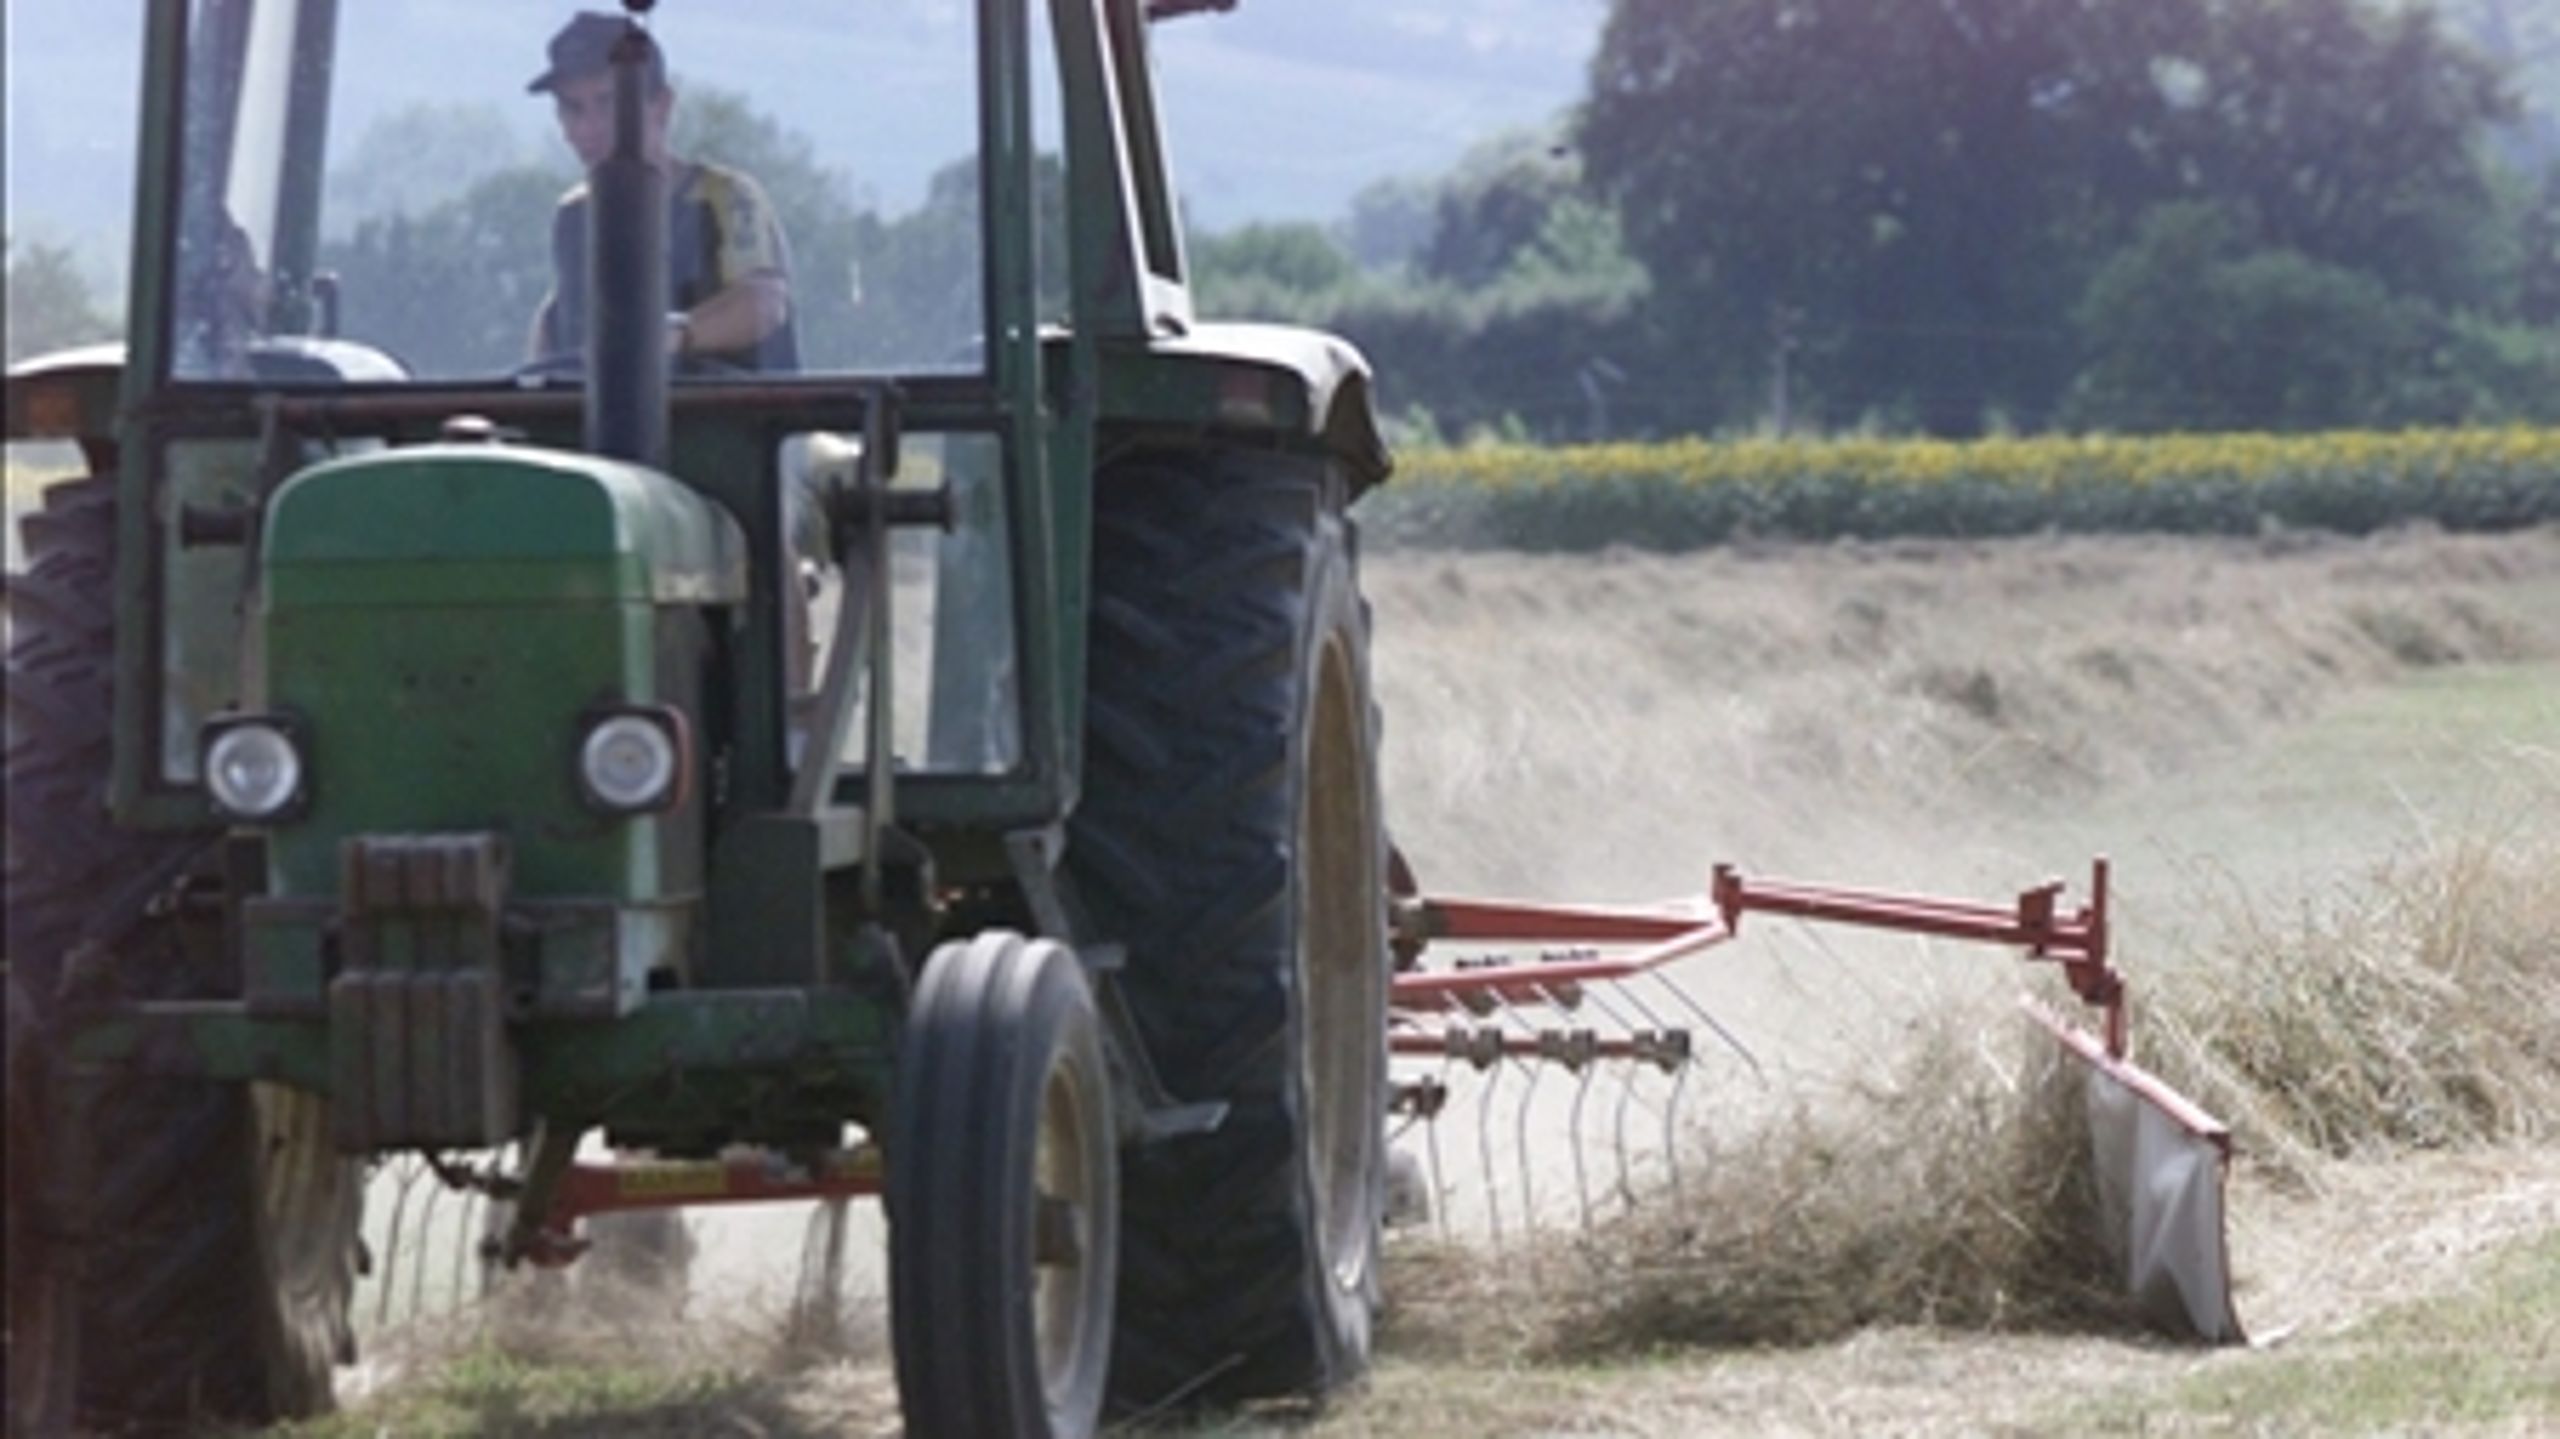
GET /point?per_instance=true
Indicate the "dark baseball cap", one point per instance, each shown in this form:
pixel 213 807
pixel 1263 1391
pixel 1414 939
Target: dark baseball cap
pixel 584 46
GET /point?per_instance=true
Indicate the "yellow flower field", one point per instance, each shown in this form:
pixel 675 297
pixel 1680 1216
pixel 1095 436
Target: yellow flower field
pixel 1687 492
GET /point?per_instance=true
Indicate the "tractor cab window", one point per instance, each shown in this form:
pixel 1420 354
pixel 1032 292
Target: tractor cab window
pixel 397 188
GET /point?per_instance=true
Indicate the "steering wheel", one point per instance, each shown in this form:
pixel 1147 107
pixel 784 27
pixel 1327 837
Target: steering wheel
pixel 570 366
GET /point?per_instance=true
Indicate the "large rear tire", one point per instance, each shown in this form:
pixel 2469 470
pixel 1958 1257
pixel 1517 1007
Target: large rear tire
pixel 189 1263
pixel 1229 834
pixel 1003 1196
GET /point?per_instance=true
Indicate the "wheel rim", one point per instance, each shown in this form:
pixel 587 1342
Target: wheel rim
pixel 1342 1040
pixel 1067 1202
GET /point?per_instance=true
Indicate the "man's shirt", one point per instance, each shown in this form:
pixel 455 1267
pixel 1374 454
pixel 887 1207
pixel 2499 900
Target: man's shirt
pixel 720 230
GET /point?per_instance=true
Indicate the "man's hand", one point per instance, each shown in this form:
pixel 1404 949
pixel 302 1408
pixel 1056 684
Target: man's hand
pixel 738 318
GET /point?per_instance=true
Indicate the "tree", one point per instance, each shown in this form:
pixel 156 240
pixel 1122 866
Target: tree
pixel 1389 223
pixel 1496 204
pixel 1925 188
pixel 2352 135
pixel 409 160
pixel 452 289
pixel 1910 180
pixel 1262 271
pixel 2197 324
pixel 49 304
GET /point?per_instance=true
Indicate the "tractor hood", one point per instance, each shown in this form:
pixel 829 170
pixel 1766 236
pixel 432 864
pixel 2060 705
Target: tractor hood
pixel 512 525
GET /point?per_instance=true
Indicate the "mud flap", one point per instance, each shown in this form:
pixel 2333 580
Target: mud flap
pixel 2160 1163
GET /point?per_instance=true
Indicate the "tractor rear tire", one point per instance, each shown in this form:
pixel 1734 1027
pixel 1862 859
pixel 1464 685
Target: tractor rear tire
pixel 1229 835
pixel 182 1252
pixel 1002 1196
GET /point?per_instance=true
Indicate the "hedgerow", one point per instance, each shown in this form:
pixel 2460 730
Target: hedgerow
pixel 1686 493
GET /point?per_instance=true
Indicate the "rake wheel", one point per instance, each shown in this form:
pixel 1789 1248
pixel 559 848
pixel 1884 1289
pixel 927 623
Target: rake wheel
pixel 1229 834
pixel 181 1253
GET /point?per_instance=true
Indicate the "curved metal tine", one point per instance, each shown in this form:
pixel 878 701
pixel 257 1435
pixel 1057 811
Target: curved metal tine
pixel 1581 1179
pixel 1670 1128
pixel 1431 1143
pixel 426 1241
pixel 1484 1151
pixel 1626 1096
pixel 494 1215
pixel 473 1206
pixel 386 1265
pixel 814 1304
pixel 1606 996
pixel 1731 1040
pixel 1520 1132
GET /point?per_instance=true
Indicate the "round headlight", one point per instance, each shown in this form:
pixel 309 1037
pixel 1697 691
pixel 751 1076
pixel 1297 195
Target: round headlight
pixel 252 770
pixel 629 762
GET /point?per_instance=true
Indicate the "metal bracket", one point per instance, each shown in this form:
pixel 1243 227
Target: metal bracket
pixel 1148 1112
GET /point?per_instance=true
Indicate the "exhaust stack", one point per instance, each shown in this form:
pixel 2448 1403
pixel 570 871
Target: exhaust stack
pixel 626 415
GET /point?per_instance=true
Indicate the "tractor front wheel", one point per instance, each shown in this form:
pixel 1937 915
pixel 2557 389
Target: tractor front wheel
pixel 1003 1195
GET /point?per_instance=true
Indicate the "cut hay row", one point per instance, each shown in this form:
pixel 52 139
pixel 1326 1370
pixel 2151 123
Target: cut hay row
pixel 1683 494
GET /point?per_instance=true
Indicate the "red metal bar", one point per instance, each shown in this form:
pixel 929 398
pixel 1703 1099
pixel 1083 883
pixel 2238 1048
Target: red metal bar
pixel 2037 922
pixel 1483 1045
pixel 667 1184
pixel 2109 1060
pixel 1531 979
pixel 2033 922
pixel 1516 922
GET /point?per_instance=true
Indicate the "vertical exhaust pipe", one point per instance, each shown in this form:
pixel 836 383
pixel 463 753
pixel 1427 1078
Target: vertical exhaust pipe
pixel 626 415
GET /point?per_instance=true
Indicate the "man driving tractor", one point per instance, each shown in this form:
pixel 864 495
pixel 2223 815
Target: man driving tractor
pixel 729 266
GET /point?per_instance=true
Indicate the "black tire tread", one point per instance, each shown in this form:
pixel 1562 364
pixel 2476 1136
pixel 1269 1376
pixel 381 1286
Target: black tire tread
pixel 179 1325
pixel 1180 848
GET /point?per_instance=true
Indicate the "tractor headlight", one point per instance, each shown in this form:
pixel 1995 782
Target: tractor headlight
pixel 633 760
pixel 253 767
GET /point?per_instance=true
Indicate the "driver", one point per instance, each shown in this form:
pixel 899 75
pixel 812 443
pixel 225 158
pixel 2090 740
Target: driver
pixel 729 268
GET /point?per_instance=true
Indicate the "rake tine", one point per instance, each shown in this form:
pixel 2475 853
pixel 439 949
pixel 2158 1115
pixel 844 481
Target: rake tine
pixel 1670 1129
pixel 472 1204
pixel 1520 1128
pixel 1484 1151
pixel 1731 1040
pixel 815 1312
pixel 418 1268
pixel 1581 1180
pixel 389 1264
pixel 1626 1096
pixel 1431 1144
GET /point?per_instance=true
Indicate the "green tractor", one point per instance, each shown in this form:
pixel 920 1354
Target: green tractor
pixel 943 767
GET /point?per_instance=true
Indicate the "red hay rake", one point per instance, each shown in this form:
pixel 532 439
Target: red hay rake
pixel 1603 1001
pixel 1593 1000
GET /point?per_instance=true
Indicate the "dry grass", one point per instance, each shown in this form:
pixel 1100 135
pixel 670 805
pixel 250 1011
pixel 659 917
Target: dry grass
pixel 1955 1192
pixel 2421 1011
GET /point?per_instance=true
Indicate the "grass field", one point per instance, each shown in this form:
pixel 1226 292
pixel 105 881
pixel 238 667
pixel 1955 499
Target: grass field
pixel 2267 734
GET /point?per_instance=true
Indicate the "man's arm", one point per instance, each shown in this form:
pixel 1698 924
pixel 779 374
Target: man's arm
pixel 737 317
pixel 754 270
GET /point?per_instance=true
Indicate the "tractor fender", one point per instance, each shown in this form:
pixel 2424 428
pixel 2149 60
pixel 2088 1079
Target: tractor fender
pixel 1285 381
pixel 74 395
pixel 70 395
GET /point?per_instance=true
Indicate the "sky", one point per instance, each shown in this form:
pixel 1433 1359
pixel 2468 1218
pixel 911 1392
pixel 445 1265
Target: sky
pixel 1281 109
